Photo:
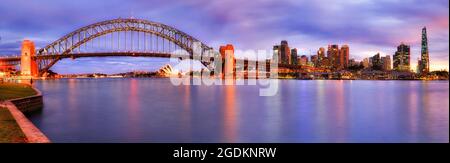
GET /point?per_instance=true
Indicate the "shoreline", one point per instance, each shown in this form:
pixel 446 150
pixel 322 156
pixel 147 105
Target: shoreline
pixel 279 78
pixel 17 107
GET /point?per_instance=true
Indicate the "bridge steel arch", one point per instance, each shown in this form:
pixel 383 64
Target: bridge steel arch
pixel 66 45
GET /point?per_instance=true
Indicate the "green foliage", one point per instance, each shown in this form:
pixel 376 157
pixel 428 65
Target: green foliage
pixel 440 73
pixel 355 68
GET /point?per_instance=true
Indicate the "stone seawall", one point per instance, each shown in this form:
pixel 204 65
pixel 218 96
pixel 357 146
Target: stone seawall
pixel 23 105
pixel 29 104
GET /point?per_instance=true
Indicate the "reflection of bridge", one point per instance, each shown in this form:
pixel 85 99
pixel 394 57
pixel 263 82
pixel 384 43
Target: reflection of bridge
pixel 118 37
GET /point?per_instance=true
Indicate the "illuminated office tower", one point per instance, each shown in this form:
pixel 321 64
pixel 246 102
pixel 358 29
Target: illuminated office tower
pixel 344 55
pixel 333 55
pixel 377 62
pixel 315 60
pixel 402 58
pixel 294 56
pixel 424 63
pixel 303 60
pixel 365 63
pixel 386 62
pixel 283 52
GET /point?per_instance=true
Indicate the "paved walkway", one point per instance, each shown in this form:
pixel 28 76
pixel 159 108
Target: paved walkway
pixel 33 134
pixel 10 131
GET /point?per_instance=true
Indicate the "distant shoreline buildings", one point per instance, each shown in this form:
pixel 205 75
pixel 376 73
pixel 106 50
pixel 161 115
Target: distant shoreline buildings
pixel 337 59
pixel 331 62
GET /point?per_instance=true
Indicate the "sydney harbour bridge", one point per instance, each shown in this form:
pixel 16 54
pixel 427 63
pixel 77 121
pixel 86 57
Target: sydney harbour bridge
pixel 119 37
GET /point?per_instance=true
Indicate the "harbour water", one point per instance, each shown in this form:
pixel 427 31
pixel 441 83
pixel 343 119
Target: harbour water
pixel 303 111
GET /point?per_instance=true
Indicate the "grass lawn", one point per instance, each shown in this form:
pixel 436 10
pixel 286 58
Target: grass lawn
pixel 12 90
pixel 10 131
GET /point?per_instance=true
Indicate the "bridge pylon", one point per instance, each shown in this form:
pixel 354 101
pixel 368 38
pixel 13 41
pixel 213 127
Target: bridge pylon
pixel 28 63
pixel 228 65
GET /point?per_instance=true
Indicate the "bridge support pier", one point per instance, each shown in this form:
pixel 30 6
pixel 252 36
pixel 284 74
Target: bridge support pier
pixel 228 62
pixel 28 63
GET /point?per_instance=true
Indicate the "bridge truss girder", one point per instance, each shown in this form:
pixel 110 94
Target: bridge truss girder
pixel 67 44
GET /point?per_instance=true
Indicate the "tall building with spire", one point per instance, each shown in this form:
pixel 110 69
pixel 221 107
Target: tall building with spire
pixel 424 62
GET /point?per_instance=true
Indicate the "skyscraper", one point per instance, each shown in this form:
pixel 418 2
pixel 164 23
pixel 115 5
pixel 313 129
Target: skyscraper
pixel 365 62
pixel 315 60
pixel 419 66
pixel 320 57
pixel 283 52
pixel 386 62
pixel 321 53
pixel 303 60
pixel 276 54
pixel 424 64
pixel 294 56
pixel 376 62
pixel 333 55
pixel 402 58
pixel 344 56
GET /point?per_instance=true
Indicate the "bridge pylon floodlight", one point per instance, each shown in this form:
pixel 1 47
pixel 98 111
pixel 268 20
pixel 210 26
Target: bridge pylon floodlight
pixel 28 63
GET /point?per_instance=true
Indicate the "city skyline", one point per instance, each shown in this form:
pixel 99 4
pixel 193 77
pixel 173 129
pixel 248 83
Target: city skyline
pixel 379 27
